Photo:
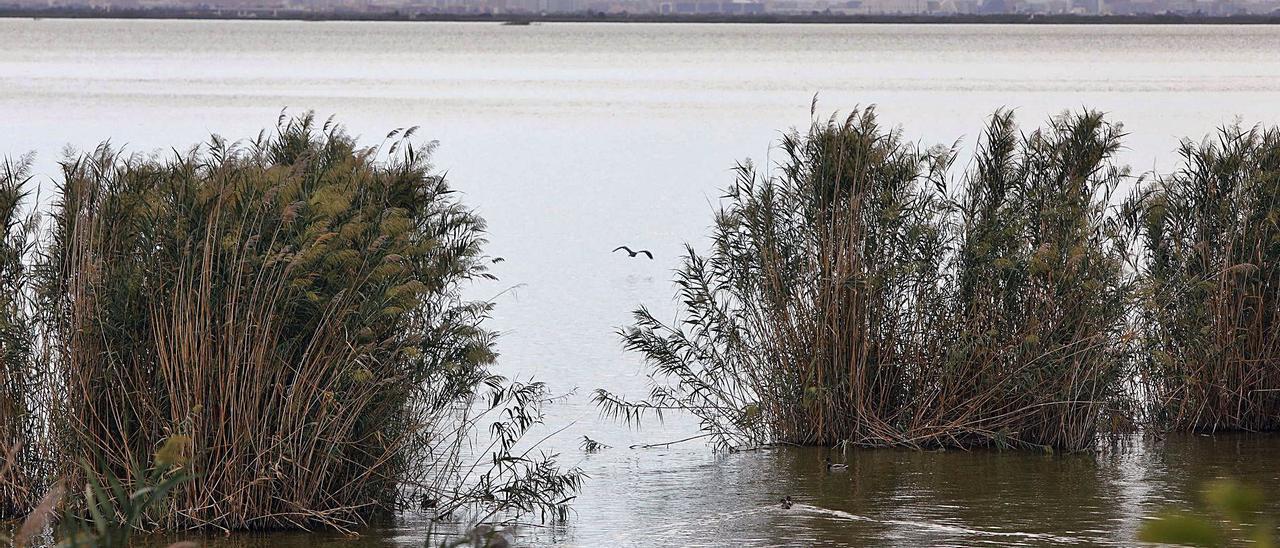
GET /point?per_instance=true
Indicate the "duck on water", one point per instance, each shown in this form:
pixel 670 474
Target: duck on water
pixel 786 502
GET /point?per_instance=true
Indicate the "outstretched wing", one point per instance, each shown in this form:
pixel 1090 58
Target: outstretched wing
pixel 646 252
pixel 623 247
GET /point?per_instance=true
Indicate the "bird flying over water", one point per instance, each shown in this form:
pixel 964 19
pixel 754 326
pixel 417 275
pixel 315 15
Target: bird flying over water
pixel 633 253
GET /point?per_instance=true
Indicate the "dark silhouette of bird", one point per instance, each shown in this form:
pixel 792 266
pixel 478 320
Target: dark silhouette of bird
pixel 633 253
pixel 787 502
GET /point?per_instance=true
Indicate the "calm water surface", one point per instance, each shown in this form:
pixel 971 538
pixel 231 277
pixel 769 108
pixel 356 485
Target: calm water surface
pixel 572 139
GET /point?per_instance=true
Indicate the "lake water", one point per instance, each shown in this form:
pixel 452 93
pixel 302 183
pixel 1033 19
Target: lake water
pixel 575 138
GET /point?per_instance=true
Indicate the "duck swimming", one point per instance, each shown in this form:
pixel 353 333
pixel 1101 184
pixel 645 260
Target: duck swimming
pixel 786 502
pixel 834 466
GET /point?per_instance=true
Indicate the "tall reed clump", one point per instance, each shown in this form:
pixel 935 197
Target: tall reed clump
pixel 22 392
pixel 849 298
pixel 292 307
pixel 1211 286
pixel 806 322
pixel 1040 344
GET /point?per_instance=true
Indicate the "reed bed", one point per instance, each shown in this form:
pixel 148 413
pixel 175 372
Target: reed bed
pixel 849 297
pixel 292 306
pixel 1210 301
pixel 803 322
pixel 23 456
pixel 290 309
pixel 1040 343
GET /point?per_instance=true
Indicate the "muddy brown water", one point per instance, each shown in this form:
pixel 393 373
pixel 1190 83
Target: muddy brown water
pixel 885 498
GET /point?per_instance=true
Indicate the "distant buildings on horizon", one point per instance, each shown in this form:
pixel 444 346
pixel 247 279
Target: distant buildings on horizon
pixel 695 7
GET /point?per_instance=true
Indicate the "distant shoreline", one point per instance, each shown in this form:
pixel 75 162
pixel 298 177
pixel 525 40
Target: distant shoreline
pixel 517 19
